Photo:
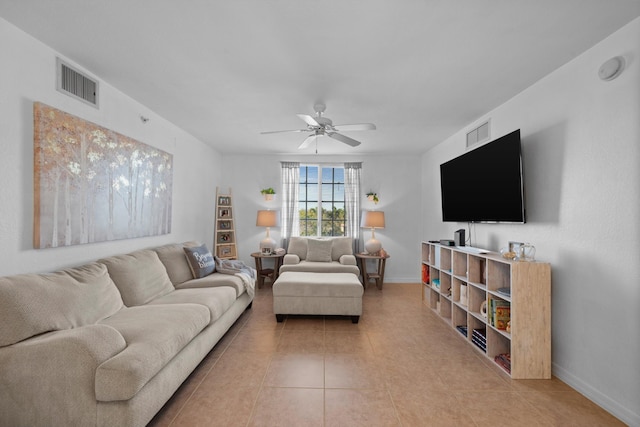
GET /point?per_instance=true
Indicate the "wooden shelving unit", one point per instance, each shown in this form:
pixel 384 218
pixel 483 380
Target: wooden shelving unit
pixel 225 231
pixel 525 287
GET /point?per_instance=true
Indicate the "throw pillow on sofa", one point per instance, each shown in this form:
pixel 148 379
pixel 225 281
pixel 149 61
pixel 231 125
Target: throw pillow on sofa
pixel 319 250
pixel 200 261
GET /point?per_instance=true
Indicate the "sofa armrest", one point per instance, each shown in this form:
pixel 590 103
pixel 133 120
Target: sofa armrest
pixel 348 260
pixel 291 259
pixel 52 376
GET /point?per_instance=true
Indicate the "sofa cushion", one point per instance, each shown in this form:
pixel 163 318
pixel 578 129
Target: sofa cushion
pixel 200 261
pixel 140 276
pixel 154 335
pixel 217 300
pixel 298 246
pixel 319 250
pixel 175 262
pixel 215 280
pixel 31 304
pixel 341 246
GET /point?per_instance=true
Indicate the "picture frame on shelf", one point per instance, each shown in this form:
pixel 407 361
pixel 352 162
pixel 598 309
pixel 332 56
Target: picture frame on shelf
pixel 515 246
pixel 224 200
pixel 224 238
pixel 224 225
pixel 226 252
pixel 224 213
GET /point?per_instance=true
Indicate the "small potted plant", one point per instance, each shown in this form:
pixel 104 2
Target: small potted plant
pixel 372 197
pixel 268 193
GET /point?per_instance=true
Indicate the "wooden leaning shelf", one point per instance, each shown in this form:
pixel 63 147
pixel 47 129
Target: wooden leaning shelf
pixel 225 232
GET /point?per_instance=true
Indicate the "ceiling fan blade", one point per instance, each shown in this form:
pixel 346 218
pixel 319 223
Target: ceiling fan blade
pixel 281 131
pixel 307 141
pixel 309 120
pixel 355 126
pixel 349 141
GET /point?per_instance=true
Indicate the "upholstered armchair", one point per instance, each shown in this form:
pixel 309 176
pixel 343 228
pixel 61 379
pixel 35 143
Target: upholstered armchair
pixel 320 255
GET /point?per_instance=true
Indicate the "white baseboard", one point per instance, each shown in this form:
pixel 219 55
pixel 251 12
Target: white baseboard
pixel 396 279
pixel 616 409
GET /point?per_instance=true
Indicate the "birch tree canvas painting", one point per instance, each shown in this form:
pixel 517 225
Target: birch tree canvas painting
pixel 93 184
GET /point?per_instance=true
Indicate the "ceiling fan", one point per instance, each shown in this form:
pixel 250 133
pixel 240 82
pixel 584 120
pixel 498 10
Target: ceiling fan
pixel 319 125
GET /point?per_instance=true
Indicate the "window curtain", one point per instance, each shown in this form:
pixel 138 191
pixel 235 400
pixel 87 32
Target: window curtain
pixel 290 221
pixel 352 174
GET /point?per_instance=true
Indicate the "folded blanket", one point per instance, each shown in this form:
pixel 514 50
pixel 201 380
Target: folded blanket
pixel 249 283
pixel 240 269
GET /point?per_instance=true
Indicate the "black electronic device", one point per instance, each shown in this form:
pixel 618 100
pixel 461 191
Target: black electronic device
pixel 458 237
pixel 446 242
pixel 485 184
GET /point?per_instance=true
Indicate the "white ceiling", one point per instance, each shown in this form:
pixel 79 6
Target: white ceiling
pixel 226 70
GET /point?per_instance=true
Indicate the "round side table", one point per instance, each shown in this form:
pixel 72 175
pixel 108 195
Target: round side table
pixel 270 273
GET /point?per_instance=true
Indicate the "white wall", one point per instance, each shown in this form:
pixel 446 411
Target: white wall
pixel 27 75
pixel 396 180
pixel 581 149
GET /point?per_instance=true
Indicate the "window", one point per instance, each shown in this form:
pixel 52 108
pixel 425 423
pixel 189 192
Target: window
pixel 321 190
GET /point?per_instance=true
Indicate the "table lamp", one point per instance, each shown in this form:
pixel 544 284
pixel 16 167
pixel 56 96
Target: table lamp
pixel 372 220
pixel 267 219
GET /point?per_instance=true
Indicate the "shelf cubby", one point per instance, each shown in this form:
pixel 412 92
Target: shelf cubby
pixel 460 264
pixel 477 270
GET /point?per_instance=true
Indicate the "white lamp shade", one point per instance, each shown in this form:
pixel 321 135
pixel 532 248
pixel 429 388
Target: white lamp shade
pixel 372 220
pixel 267 218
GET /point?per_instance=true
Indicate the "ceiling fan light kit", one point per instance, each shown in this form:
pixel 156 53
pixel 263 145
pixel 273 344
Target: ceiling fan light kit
pixel 323 126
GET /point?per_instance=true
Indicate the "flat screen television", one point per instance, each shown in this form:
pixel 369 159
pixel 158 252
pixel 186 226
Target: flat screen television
pixel 485 184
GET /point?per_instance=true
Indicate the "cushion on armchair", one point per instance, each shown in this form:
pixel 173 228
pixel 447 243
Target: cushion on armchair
pixel 319 250
pixel 341 246
pixel 298 246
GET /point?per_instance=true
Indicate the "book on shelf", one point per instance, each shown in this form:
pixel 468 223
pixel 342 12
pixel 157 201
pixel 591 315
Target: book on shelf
pixel 504 291
pixel 482 346
pixel 502 318
pixel 425 273
pixel 479 338
pixel 504 360
pixel 499 313
pixel 462 329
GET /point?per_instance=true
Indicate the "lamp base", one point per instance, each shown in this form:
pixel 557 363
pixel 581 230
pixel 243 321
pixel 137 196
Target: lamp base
pixel 268 242
pixel 372 246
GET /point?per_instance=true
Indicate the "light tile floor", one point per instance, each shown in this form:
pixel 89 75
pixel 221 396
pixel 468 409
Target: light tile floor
pixel 400 366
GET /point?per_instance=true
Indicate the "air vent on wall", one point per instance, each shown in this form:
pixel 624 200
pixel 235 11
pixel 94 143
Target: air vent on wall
pixel 479 134
pixel 72 82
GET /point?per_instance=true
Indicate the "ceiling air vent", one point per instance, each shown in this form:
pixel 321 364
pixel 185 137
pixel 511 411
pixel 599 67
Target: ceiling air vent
pixel 479 134
pixel 72 82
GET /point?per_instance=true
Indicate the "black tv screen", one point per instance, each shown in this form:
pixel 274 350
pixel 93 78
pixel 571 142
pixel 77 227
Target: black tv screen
pixel 485 184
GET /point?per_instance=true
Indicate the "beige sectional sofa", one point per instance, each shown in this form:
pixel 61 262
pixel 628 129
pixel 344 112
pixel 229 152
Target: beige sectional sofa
pixel 331 255
pixel 109 342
